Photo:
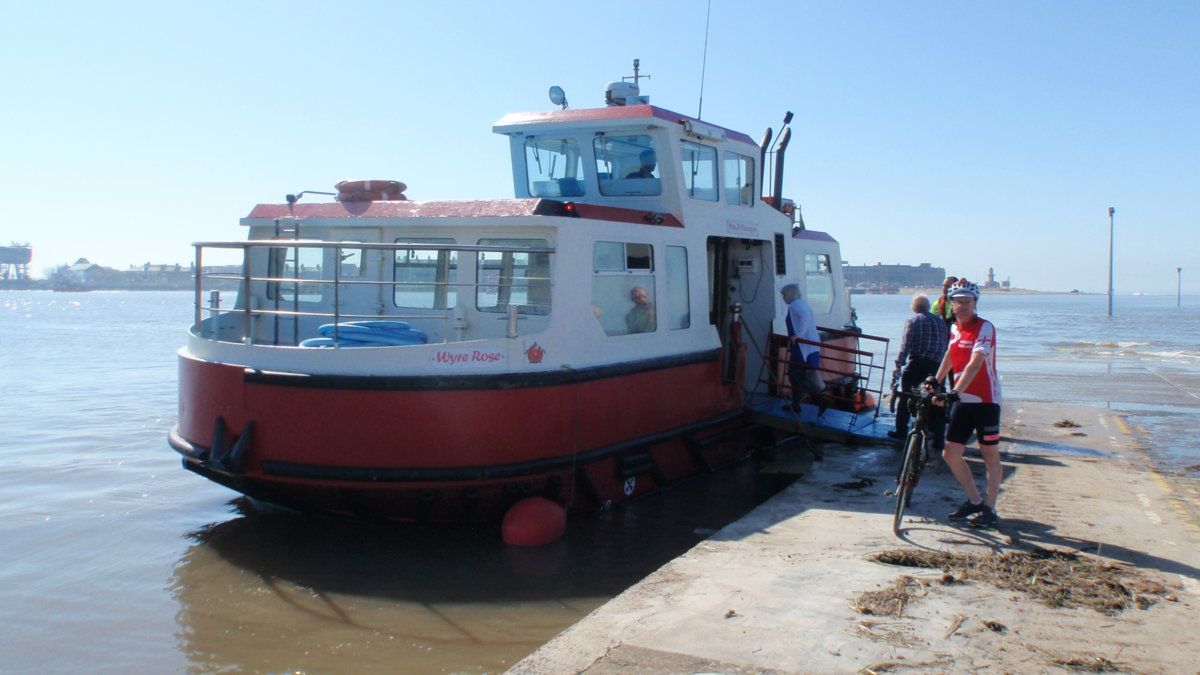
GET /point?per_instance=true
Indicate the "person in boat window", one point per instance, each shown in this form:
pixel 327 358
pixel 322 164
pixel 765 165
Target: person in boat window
pixel 649 161
pixel 941 306
pixel 972 355
pixel 641 318
pixel 921 350
pixel 804 358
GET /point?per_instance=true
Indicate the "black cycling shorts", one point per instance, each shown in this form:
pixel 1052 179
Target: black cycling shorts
pixel 982 418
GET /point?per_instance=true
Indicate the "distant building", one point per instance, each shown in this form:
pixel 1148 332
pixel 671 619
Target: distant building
pixel 14 262
pixel 85 272
pixel 924 275
pixel 992 283
pixel 85 275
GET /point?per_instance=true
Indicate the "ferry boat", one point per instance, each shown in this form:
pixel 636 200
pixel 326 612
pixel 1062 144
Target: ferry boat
pixel 614 328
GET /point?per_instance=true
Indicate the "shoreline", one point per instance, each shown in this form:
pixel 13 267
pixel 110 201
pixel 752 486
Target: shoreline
pixel 773 592
pixel 936 291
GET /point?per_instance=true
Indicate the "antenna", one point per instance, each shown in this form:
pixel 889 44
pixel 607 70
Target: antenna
pixel 635 77
pixel 704 59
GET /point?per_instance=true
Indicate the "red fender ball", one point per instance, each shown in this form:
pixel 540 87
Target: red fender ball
pixel 534 521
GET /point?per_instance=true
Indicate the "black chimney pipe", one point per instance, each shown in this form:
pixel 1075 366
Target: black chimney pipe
pixel 762 159
pixel 785 137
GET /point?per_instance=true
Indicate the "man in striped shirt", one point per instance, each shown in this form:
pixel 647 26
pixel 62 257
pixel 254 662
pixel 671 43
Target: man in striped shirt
pixel 921 351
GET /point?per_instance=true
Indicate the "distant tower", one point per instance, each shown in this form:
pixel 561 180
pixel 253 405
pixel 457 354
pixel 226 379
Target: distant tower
pixel 14 262
pixel 991 280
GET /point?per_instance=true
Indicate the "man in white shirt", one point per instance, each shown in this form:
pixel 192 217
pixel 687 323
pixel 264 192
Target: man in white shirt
pixel 804 358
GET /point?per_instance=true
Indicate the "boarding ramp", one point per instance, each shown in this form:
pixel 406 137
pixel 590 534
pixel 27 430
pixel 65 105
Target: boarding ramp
pixel 854 379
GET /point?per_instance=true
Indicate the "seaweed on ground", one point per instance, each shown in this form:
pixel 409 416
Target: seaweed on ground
pixel 1055 578
pixel 889 601
pixel 1093 664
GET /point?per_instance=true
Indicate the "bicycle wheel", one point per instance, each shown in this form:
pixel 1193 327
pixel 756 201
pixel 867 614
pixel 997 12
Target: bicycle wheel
pixel 906 479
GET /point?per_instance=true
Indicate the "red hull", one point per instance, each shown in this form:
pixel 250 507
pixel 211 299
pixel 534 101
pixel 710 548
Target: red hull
pixel 432 448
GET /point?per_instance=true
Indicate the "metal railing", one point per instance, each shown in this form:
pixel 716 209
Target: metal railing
pixel 853 370
pixel 254 287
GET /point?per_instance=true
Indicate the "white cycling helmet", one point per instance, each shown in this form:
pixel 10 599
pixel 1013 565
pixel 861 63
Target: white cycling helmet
pixel 964 289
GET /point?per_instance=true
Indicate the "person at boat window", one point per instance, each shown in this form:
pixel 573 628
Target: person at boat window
pixel 804 352
pixel 941 306
pixel 972 356
pixel 922 347
pixel 641 318
pixel 649 162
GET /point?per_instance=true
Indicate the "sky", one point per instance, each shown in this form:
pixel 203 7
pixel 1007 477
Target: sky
pixel 966 134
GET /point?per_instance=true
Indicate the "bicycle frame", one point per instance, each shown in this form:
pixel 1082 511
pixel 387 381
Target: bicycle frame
pixel 916 450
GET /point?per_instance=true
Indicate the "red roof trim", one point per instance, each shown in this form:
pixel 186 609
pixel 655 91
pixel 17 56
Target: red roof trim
pixel 812 234
pixel 615 213
pixel 613 113
pixel 502 208
pixel 399 209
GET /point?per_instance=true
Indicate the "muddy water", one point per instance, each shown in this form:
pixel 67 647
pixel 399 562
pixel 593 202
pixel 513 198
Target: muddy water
pixel 114 559
pixel 273 591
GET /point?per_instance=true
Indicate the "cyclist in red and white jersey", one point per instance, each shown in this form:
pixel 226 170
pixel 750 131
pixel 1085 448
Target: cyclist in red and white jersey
pixel 972 357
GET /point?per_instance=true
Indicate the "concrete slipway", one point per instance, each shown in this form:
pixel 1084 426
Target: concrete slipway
pixel 772 591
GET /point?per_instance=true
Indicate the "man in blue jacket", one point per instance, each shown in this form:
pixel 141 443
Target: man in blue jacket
pixel 921 351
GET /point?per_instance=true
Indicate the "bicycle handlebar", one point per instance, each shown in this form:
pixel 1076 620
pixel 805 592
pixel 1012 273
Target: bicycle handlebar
pixel 947 396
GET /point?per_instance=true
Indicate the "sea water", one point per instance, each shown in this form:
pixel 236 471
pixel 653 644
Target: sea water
pixel 1144 361
pixel 115 559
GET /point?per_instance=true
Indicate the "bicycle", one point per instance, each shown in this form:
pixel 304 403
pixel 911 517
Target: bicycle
pixel 916 445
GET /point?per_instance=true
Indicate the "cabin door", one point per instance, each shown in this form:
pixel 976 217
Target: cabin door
pixel 742 273
pixel 721 296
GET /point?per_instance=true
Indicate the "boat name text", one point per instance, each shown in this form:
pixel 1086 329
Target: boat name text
pixel 740 228
pixel 464 356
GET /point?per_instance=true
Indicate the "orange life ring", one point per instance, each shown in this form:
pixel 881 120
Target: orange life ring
pixel 370 196
pixel 370 190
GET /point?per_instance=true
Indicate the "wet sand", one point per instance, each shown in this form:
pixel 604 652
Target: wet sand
pixel 773 591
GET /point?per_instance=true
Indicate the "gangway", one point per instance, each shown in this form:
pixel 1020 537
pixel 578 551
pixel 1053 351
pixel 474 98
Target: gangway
pixel 854 381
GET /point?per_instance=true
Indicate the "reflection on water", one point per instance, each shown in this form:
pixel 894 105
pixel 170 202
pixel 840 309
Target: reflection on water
pixel 274 591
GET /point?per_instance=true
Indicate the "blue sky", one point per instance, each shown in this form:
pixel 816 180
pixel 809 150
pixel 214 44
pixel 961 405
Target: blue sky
pixel 967 134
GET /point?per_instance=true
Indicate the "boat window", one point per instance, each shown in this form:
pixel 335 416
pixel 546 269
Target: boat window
pixel 679 313
pixel 353 264
pixel 290 276
pixel 739 179
pixel 627 165
pixel 616 256
pixel 699 168
pixel 512 278
pixel 623 289
pixel 818 282
pixel 554 167
pixel 425 278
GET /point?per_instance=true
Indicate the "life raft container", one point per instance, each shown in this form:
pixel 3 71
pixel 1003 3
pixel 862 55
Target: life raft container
pixel 370 191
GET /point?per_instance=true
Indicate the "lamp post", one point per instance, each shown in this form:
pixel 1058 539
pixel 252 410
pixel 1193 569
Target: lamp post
pixel 1111 211
pixel 1178 285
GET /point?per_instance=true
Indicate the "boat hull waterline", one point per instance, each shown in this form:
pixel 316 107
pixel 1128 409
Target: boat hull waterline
pixel 450 450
